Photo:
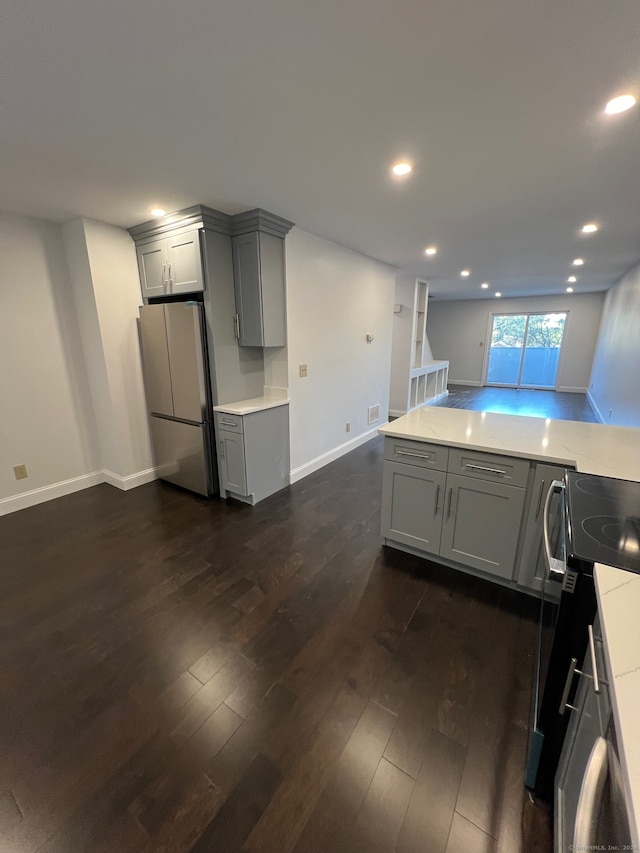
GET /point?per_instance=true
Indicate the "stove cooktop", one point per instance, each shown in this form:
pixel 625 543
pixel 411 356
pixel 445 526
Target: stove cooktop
pixel 603 517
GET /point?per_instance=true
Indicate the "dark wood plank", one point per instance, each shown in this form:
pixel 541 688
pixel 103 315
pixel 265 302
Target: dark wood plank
pixel 561 405
pixel 242 810
pixel 465 837
pixel 154 644
pixel 430 813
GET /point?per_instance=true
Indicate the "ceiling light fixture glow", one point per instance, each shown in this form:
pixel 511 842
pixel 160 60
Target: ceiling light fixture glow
pixel 157 211
pixel 402 169
pixel 569 290
pixel 572 279
pixel 497 293
pixel 465 273
pixel 431 250
pixel 484 285
pixel 578 262
pixel 620 104
pixel 589 228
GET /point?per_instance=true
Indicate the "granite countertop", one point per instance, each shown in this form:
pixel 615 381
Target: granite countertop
pixel 247 407
pixel 619 608
pixel 592 448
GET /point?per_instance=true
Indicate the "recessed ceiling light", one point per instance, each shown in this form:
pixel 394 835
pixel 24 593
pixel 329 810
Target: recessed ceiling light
pixel 401 169
pixel 157 211
pixel 484 285
pixel 578 262
pixel 589 228
pixel 465 273
pixel 430 250
pixel 497 294
pixel 569 290
pixel 620 104
pixel 571 279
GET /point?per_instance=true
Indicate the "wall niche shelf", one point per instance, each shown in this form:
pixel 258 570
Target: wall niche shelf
pixel 417 379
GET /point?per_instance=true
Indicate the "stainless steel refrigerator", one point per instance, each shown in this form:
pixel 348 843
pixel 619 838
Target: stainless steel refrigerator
pixel 178 393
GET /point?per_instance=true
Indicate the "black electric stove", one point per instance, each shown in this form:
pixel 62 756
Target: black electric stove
pixel 602 521
pixel 599 521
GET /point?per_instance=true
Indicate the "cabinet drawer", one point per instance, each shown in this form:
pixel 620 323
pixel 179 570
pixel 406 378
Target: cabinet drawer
pixel 485 466
pixel 233 423
pixel 416 453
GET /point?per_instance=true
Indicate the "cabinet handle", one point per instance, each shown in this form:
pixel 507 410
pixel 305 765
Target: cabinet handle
pixel 236 326
pixel 222 450
pixel 164 273
pixel 449 504
pixel 228 423
pixel 567 686
pixel 483 468
pixel 540 498
pixel 435 512
pixel 413 455
pixel 170 277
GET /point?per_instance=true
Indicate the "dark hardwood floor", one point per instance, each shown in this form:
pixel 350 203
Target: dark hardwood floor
pixel 559 405
pixel 184 675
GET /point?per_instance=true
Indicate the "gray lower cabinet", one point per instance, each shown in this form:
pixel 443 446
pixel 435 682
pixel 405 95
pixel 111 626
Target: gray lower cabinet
pixel 171 265
pixel 472 519
pixel 233 474
pixel 412 506
pixel 253 453
pixel 533 566
pixel 481 525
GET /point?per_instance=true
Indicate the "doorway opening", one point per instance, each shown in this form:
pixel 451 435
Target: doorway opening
pixel 524 349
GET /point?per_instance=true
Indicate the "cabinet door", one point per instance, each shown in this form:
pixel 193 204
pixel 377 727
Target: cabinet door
pixel 152 268
pixel 481 524
pixel 233 477
pixel 533 566
pixel 248 287
pixel 184 268
pixel 412 500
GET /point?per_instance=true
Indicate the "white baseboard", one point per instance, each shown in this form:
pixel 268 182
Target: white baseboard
pixel 437 399
pixel 75 484
pixel 48 493
pixel 471 382
pixel 597 411
pixel 331 456
pixel 571 389
pixel 131 480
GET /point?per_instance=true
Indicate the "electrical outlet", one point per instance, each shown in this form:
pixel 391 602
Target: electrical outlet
pixel 303 370
pixel 20 472
pixel 347 426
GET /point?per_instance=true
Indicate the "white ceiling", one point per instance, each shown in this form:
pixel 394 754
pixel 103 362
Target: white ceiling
pixel 301 106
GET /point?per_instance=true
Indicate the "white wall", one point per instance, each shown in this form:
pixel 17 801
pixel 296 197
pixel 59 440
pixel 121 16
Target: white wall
pixel 614 386
pixel 335 297
pixel 45 420
pixel 458 331
pixel 106 287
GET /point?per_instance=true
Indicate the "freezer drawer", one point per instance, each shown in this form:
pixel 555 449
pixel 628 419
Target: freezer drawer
pixel 181 454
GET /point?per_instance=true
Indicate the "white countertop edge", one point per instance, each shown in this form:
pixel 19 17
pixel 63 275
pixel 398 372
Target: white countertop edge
pixel 620 633
pixel 247 407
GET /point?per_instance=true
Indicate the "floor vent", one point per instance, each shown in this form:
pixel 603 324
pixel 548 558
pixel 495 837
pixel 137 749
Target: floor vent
pixel 374 413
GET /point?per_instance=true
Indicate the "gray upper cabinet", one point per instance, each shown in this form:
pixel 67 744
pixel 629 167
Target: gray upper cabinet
pixel 152 266
pixel 171 265
pixel 259 278
pixel 185 274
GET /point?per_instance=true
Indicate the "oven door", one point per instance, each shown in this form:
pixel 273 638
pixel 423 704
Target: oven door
pixel 554 548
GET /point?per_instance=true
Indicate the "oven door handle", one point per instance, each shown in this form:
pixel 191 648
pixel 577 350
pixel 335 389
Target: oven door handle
pixel 591 793
pixel 556 568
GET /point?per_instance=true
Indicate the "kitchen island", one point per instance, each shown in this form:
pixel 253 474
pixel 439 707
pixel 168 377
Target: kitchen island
pixel 467 488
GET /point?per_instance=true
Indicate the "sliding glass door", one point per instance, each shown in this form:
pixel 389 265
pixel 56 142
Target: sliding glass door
pixel 525 349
